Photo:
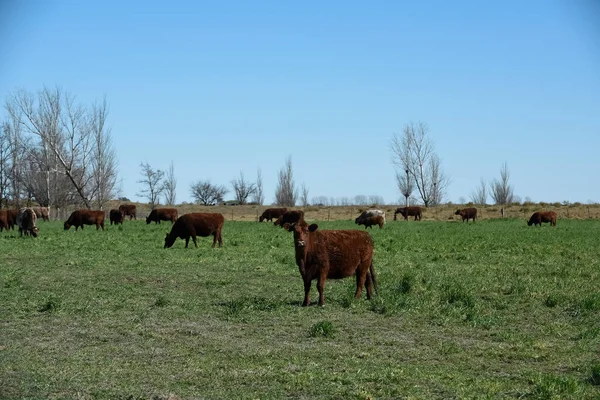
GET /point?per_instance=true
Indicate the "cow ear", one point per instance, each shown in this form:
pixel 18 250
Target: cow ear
pixel 313 227
pixel 288 227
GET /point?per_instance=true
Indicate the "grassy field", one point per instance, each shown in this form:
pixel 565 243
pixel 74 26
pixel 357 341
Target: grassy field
pixel 492 310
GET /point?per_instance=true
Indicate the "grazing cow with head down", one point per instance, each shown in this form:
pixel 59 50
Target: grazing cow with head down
pixel 542 216
pixel 128 210
pixel 79 218
pixel 196 224
pixel 162 214
pixel 272 213
pixel 467 213
pixel 42 212
pixel 116 217
pixel 26 220
pixel 289 217
pixel 412 211
pixel 333 254
pixel 368 222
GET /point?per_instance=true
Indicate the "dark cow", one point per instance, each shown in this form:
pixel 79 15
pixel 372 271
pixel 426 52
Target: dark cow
pixel 42 212
pixel 3 220
pixel 272 213
pixel 162 214
pixel 196 224
pixel 289 217
pixel 542 216
pixel 369 213
pixel 368 222
pixel 128 210
pixel 79 218
pixel 467 213
pixel 412 211
pixel 116 217
pixel 333 254
pixel 26 220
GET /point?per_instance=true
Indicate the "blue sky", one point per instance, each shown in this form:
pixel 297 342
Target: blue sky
pixel 224 87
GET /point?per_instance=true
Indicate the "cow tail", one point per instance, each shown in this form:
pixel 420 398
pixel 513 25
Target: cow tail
pixel 372 271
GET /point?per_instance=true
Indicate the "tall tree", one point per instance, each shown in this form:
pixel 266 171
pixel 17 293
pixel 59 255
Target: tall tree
pixel 170 185
pixel 414 152
pixel 479 196
pixel 207 194
pixel 500 190
pixel 304 195
pixel 5 164
pixel 242 188
pixel 285 192
pixel 259 195
pixel 152 184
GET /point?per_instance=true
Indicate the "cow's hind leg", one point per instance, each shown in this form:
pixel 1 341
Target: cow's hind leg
pixel 361 277
pixel 195 241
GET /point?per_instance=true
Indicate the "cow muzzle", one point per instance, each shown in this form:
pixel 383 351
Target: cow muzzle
pixel 301 243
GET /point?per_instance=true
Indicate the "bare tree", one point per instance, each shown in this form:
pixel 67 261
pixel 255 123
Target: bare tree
pixel 207 194
pixel 170 185
pixel 376 200
pixel 479 196
pixel 5 163
pixel 361 200
pixel 153 186
pixel 414 152
pixel 500 190
pixel 286 193
pixel 320 201
pixel 242 189
pixel 258 196
pixel 304 195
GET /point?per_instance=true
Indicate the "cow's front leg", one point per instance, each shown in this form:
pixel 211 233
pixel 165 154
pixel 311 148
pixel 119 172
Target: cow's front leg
pixel 307 283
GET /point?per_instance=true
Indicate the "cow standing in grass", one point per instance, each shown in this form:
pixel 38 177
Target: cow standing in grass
pixel 412 211
pixel 333 254
pixel 272 213
pixel 116 217
pixel 542 216
pixel 196 224
pixel 3 220
pixel 79 218
pixel 162 214
pixel 11 218
pixel 42 212
pixel 368 222
pixel 128 210
pixel 26 220
pixel 290 217
pixel 467 213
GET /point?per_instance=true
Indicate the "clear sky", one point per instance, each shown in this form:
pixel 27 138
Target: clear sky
pixel 224 87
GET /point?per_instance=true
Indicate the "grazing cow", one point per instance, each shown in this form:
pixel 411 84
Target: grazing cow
pixel 542 216
pixel 79 218
pixel 467 213
pixel 368 222
pixel 196 224
pixel 116 217
pixel 412 211
pixel 42 212
pixel 3 220
pixel 333 254
pixel 289 217
pixel 26 220
pixel 162 214
pixel 370 213
pixel 272 213
pixel 128 210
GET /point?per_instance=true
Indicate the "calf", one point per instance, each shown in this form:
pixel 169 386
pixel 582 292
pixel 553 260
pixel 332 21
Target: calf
pixel 162 214
pixel 128 210
pixel 333 254
pixel 289 217
pixel 413 211
pixel 116 217
pixel 272 213
pixel 79 218
pixel 542 216
pixel 467 213
pixel 368 222
pixel 42 212
pixel 26 220
pixel 196 224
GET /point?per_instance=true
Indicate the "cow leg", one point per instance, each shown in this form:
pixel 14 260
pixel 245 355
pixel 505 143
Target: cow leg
pixel 321 286
pixel 215 236
pixel 307 282
pixel 369 284
pixel 220 239
pixel 195 242
pixel 361 277
pixel 187 241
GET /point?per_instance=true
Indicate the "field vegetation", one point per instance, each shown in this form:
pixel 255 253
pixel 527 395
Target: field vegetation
pixel 494 309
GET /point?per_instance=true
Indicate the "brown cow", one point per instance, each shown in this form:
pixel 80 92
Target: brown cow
pixel 289 217
pixel 42 212
pixel 162 214
pixel 116 217
pixel 11 218
pixel 79 218
pixel 196 224
pixel 3 220
pixel 26 220
pixel 467 213
pixel 128 210
pixel 368 222
pixel 272 213
pixel 333 254
pixel 412 211
pixel 542 216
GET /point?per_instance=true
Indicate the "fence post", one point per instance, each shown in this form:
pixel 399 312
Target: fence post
pixel 232 213
pixel 328 213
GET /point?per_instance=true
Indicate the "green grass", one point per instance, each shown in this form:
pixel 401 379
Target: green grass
pixel 494 310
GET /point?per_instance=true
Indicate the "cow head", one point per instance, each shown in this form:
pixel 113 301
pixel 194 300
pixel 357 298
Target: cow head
pixel 458 212
pixel 301 231
pixel 169 240
pixel 261 218
pixel 530 222
pixel 34 231
pixel 278 221
pixel 148 220
pixel 67 225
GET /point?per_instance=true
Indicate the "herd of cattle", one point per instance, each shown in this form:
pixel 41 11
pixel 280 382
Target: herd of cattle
pixel 320 254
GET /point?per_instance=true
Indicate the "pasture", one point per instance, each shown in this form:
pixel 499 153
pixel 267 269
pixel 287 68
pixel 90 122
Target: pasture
pixel 494 309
